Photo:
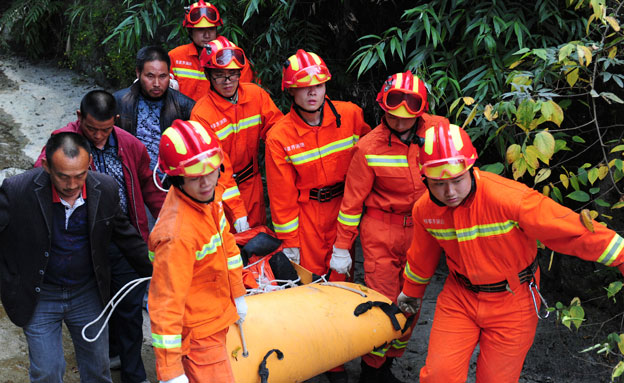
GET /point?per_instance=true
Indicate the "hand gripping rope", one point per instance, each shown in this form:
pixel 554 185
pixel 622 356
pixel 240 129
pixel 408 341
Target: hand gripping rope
pixel 121 294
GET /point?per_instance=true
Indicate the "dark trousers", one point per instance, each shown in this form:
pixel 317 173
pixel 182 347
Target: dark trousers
pixel 126 323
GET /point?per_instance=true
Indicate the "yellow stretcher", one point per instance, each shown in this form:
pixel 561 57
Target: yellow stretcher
pixel 312 327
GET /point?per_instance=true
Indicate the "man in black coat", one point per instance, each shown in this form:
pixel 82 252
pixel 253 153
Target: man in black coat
pixel 56 225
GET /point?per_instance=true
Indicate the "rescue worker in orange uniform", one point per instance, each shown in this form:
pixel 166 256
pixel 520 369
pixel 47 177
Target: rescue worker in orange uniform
pixel 487 226
pixel 384 177
pixel 307 156
pixel 240 114
pixel 197 289
pixel 201 20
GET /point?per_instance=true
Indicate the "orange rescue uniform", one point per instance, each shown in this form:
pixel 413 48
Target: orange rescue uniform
pixel 489 239
pixel 240 127
pixel 299 158
pixel 383 176
pixel 190 75
pixel 197 275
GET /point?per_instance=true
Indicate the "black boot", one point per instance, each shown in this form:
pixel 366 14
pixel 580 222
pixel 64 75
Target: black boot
pixel 385 372
pixel 337 376
pixel 369 374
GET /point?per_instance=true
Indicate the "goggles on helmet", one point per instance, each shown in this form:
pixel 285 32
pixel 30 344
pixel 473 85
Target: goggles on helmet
pixel 306 76
pixel 413 102
pixel 225 56
pixel 445 168
pixel 199 165
pixel 195 15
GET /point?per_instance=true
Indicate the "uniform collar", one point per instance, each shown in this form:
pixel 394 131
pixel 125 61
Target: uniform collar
pixel 302 127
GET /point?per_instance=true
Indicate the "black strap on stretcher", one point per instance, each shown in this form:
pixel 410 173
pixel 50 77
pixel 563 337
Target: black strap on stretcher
pixel 244 174
pixel 263 371
pixel 391 310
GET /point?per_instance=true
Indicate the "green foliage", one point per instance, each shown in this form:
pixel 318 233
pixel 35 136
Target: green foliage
pixel 574 314
pixel 34 26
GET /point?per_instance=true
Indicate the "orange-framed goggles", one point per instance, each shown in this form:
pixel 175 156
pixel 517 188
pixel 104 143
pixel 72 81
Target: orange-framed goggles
pixel 413 102
pixel 307 76
pixel 195 15
pixel 445 168
pixel 225 56
pixel 199 165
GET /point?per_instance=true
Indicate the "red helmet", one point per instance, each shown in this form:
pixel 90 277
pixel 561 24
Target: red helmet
pixel 188 149
pixel 403 95
pixel 304 69
pixel 447 153
pixel 201 15
pixel 222 54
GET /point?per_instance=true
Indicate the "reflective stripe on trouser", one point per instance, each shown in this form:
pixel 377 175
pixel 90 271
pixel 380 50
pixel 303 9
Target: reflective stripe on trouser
pixel 384 247
pixel 502 323
pixel 207 360
pixel 252 195
pixel 317 234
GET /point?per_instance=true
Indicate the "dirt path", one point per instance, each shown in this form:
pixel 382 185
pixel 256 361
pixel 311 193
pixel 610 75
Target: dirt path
pixel 36 99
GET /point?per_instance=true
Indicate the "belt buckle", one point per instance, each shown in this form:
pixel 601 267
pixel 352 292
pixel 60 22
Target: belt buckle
pixel 323 194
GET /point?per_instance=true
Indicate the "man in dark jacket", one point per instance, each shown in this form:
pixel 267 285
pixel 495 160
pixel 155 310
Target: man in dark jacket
pixel 121 155
pixel 56 225
pixel 149 106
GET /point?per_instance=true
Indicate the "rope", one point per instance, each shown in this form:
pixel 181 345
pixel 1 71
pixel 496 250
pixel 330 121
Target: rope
pixel 113 304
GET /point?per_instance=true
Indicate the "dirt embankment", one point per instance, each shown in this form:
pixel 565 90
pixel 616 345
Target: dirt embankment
pixel 36 99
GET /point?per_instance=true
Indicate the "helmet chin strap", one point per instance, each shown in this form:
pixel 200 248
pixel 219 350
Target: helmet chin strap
pixel 298 109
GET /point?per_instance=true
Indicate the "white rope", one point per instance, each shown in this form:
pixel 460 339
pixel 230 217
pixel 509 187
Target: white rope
pixel 113 304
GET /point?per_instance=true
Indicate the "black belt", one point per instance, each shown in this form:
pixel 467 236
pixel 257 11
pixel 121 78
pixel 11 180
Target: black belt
pixel 244 174
pixel 327 193
pixel 525 275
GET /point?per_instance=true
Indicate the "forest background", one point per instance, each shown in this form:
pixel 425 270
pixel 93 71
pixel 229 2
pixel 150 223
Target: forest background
pixel 538 86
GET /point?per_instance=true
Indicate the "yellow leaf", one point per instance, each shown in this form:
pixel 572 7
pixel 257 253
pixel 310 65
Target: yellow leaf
pixel 586 220
pixel 530 155
pixel 592 175
pixel 584 55
pixel 513 153
pixel 613 52
pixel 487 112
pixel 515 64
pixel 531 170
pixel 552 255
pixel 565 51
pixel 564 180
pixel 621 344
pixel 542 175
pixel 545 144
pixel 603 171
pixel 555 112
pixel 546 190
pixel 589 21
pixel 519 167
pixel 468 100
pixel 525 114
pixel 572 76
pixel 613 23
pixel 470 117
pixel 593 214
pixel 454 104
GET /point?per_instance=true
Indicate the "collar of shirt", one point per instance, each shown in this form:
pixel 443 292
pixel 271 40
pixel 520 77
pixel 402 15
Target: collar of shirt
pixel 110 143
pixel 57 199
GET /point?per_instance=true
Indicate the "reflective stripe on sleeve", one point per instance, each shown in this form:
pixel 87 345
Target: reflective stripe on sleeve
pixel 230 193
pixel 235 261
pixel 166 341
pixel 610 254
pixel 287 227
pixel 222 223
pixel 387 161
pixel 209 248
pixel 243 124
pixel 323 151
pixel 189 73
pixel 349 220
pixel 470 233
pixel 409 274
